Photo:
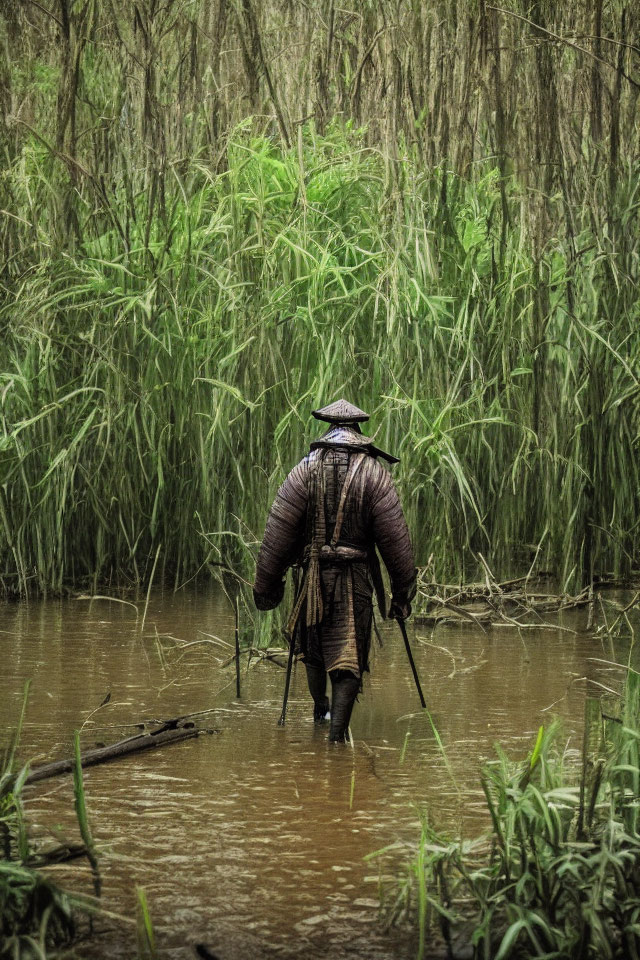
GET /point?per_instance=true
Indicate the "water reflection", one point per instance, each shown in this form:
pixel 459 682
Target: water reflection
pixel 253 839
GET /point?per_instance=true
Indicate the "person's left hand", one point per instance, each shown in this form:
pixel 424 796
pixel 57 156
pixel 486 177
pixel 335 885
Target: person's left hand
pixel 267 601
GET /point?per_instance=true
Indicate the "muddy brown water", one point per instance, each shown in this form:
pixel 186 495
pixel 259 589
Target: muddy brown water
pixel 257 839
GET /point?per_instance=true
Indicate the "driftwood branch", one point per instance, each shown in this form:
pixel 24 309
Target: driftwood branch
pixel 494 602
pixel 144 741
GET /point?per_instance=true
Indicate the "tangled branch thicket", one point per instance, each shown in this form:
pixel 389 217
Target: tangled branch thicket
pixel 218 215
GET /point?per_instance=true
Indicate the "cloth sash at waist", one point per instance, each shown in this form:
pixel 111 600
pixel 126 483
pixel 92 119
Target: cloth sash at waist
pixel 339 554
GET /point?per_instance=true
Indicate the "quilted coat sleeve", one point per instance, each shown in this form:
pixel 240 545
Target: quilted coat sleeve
pixel 283 538
pixel 391 536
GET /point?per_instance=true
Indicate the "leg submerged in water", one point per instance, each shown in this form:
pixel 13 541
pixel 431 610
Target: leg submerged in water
pixel 344 686
pixel 317 680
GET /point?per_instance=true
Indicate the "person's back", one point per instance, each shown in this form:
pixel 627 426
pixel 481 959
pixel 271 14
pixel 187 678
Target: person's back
pixel 335 507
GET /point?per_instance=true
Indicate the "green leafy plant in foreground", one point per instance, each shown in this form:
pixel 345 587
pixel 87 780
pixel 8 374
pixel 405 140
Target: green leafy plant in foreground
pixel 35 913
pixel 558 875
pixel 144 929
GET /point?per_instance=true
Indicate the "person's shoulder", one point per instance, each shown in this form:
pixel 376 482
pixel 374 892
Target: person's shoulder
pixel 303 466
pixel 298 475
pixel 377 475
pixel 376 469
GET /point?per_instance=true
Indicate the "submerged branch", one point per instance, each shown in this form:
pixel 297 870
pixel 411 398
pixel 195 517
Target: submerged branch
pixel 169 733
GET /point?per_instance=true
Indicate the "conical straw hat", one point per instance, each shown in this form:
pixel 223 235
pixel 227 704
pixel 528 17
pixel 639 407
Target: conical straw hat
pixel 341 411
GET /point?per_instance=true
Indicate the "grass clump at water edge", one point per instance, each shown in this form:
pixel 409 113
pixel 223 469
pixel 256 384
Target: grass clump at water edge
pixel 35 913
pixel 38 917
pixel 558 873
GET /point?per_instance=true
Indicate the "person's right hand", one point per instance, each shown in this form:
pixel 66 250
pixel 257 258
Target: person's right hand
pixel 399 611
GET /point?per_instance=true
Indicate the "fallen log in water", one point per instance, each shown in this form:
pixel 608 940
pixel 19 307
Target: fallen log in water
pixel 62 854
pixel 143 741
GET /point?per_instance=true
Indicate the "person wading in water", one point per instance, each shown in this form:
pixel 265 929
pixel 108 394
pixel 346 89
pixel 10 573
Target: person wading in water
pixel 331 513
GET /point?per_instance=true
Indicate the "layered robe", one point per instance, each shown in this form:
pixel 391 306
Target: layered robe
pixel 334 510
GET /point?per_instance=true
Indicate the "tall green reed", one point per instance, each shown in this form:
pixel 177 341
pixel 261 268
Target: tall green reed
pixel 154 393
pixel 80 803
pixel 144 930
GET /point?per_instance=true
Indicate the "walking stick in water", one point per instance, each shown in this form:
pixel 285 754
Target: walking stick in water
pixel 403 630
pixel 288 633
pixel 287 681
pixel 237 611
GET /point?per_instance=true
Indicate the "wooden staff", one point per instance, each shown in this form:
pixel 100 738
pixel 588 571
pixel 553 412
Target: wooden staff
pixel 287 682
pixel 289 636
pixel 237 648
pixel 403 630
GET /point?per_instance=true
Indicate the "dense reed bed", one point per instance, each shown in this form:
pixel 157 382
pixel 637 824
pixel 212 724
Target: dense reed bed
pixel 196 256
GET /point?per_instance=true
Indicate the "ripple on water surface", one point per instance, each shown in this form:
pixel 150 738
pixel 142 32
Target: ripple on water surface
pixel 253 840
